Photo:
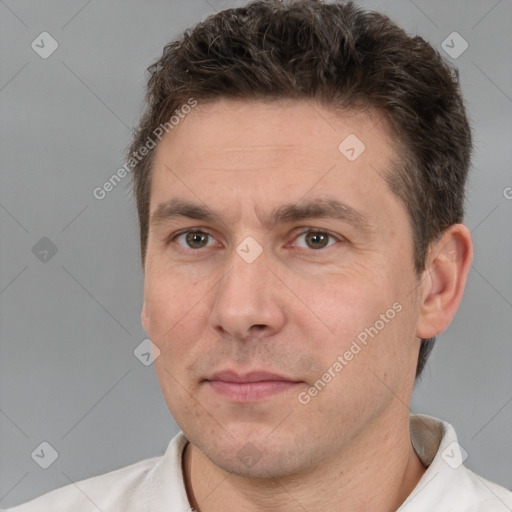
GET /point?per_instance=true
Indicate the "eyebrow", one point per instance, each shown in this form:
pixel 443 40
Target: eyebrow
pixel 287 213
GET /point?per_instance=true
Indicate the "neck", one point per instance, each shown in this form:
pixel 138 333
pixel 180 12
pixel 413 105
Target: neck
pixel 377 472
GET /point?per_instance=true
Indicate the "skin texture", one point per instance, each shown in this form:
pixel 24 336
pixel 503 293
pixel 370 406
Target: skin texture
pixel 293 310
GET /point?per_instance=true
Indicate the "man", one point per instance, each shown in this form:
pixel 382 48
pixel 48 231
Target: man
pixel 302 245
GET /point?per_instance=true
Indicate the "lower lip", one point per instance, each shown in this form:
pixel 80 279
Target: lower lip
pixel 250 391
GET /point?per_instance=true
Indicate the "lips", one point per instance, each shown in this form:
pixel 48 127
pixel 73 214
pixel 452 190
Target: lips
pixel 255 376
pixel 249 387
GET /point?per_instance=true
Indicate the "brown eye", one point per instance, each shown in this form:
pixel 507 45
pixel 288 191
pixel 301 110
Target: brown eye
pixel 193 239
pixel 196 239
pixel 316 239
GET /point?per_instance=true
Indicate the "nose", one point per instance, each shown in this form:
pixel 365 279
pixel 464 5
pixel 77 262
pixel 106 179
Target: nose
pixel 248 300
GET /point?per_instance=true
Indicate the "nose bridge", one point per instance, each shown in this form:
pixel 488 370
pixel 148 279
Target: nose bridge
pixel 244 297
pixel 244 282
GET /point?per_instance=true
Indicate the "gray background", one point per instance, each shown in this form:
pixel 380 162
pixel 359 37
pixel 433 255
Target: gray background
pixel 69 325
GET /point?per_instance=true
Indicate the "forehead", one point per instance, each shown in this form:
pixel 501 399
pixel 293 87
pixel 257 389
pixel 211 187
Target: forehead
pixel 264 131
pixel 236 155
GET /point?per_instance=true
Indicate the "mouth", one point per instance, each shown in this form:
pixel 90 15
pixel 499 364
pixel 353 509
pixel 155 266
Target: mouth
pixel 249 387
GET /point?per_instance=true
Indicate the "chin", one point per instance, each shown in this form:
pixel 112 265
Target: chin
pixel 263 466
pixel 254 456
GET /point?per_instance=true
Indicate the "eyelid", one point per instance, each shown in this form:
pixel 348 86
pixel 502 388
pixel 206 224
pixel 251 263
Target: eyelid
pixel 309 229
pixel 303 230
pixel 196 229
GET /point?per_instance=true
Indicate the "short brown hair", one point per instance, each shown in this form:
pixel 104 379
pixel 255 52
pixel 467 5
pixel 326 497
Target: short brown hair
pixel 344 57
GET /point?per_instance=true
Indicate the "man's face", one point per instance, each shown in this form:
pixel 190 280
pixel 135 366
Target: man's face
pixel 291 297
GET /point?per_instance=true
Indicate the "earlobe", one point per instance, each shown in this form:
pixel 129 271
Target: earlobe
pixel 445 276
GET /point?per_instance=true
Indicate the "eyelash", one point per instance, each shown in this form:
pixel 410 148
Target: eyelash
pixel 174 236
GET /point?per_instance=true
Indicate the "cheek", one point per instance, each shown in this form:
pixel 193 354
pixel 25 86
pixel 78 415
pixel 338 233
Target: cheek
pixel 362 320
pixel 172 310
pixel 346 306
pixel 176 319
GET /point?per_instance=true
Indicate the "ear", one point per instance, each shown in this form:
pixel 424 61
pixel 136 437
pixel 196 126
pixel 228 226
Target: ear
pixel 443 281
pixel 144 318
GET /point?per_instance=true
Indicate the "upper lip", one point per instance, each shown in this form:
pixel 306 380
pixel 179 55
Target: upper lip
pixel 254 376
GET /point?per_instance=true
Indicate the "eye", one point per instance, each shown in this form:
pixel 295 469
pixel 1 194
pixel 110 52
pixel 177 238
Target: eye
pixel 197 239
pixel 316 239
pixel 193 239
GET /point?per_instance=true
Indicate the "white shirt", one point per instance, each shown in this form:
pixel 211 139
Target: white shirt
pixel 156 484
